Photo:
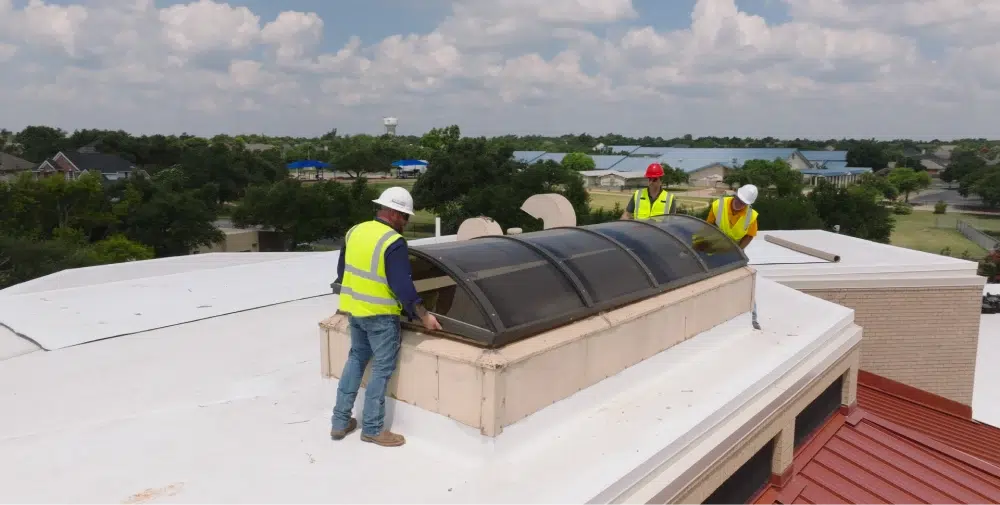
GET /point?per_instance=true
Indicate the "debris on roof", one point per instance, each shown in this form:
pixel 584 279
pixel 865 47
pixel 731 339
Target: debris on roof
pixel 991 304
pixel 864 458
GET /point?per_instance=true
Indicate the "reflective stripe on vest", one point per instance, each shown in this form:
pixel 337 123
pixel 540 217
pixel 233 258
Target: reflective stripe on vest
pixel 643 209
pixel 365 290
pixel 722 208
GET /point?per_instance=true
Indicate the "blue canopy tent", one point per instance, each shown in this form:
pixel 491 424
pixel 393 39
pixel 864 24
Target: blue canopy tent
pixel 295 165
pixel 409 163
pixel 408 168
pixel 316 164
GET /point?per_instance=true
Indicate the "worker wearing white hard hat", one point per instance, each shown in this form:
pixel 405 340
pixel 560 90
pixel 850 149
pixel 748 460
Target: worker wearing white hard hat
pixel 376 287
pixel 735 217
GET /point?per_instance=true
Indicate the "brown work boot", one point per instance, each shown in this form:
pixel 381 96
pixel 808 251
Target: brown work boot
pixel 385 439
pixel 340 434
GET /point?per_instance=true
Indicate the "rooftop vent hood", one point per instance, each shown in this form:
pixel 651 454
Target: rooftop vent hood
pixel 497 289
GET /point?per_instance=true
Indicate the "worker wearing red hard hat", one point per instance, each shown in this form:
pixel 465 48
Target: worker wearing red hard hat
pixel 654 201
pixel 735 217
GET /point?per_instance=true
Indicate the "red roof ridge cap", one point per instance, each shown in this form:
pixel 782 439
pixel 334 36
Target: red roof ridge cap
pixel 931 443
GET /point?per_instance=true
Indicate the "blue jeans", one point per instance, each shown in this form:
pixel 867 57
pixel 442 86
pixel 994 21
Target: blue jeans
pixel 371 337
pixel 754 313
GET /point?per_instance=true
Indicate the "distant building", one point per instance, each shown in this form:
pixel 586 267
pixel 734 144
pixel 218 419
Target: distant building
pixel 245 240
pixel 255 148
pixel 73 164
pixel 11 166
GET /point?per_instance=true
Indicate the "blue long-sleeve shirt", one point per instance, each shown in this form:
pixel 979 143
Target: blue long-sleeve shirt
pixel 397 273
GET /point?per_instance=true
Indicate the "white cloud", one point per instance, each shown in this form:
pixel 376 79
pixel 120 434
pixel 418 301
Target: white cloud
pixel 486 24
pixel 51 26
pixel 837 67
pixel 206 26
pixel 293 33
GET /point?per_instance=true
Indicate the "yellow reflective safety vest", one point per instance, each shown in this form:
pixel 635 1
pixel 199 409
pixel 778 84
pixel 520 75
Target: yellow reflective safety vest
pixel 722 210
pixel 364 289
pixel 644 209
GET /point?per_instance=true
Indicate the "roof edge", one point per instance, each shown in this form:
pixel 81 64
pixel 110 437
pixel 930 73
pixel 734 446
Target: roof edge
pixel 833 280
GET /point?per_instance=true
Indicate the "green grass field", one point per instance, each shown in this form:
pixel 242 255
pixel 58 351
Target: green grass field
pixel 929 232
pixel 608 199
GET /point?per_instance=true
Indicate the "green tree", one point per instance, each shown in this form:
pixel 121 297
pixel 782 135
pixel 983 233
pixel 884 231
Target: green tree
pixel 578 162
pixel 306 213
pixel 40 142
pixel 963 164
pixel 173 221
pixel 23 259
pixel 35 207
pixel 774 178
pixel 674 176
pixel 855 208
pixel 477 177
pixel 987 187
pixel 879 186
pixel 118 248
pixel 456 171
pixel 868 153
pixel 907 180
pixel 360 155
pixel 441 138
pixel 791 212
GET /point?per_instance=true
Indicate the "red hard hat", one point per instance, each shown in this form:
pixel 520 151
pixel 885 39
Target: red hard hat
pixel 654 170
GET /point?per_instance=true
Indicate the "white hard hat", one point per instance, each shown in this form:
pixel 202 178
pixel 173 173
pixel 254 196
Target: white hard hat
pixel 396 198
pixel 747 194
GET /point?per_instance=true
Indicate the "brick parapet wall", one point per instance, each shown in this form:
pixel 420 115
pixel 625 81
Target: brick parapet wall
pixel 923 337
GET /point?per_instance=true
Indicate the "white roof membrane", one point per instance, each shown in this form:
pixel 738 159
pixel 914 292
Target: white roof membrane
pixel 234 409
pixel 84 305
pixel 986 392
pixel 860 260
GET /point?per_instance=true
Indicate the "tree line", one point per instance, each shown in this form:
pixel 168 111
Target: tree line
pixel 185 183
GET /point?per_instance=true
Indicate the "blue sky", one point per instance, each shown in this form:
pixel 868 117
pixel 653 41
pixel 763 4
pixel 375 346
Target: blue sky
pixel 789 68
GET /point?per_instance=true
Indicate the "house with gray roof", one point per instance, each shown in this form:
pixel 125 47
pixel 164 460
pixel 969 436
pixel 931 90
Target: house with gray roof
pixel 72 164
pixel 11 166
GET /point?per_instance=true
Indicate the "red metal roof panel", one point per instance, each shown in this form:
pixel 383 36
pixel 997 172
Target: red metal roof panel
pixel 867 459
pixel 972 437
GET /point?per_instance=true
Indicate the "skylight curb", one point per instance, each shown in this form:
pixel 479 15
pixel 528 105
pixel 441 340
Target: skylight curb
pixel 492 389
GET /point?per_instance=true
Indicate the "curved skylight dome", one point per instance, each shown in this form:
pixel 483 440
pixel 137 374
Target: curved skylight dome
pixel 495 290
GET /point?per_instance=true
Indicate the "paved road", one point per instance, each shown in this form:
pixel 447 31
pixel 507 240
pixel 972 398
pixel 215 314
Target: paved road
pixel 950 196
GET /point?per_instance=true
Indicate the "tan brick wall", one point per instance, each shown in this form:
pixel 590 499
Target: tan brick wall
pixel 922 337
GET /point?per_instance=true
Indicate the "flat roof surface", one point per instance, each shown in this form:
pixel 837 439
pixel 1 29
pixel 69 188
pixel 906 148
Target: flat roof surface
pixel 856 255
pixel 82 305
pixel 986 392
pixel 233 408
pixel 864 458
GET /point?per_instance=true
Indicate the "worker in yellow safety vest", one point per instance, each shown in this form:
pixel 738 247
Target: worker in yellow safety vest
pixel 654 200
pixel 735 217
pixel 376 286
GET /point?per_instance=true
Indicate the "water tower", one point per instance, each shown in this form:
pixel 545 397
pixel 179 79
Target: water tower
pixel 390 125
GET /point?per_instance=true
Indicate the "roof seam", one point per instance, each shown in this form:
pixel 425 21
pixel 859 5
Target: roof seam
pixel 936 445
